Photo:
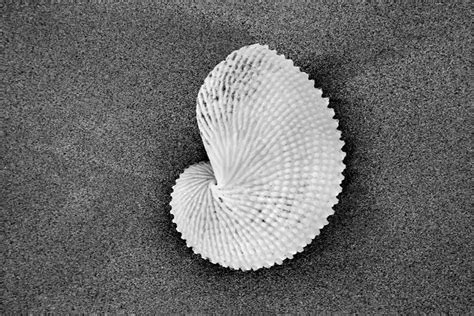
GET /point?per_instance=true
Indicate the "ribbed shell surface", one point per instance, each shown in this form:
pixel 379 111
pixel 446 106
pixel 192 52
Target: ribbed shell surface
pixel 275 163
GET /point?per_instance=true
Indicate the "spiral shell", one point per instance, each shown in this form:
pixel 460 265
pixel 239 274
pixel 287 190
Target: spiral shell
pixel 275 163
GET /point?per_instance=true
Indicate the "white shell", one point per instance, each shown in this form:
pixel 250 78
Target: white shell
pixel 275 163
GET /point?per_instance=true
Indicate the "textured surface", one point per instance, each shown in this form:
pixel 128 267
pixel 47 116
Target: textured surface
pixel 275 163
pixel 98 120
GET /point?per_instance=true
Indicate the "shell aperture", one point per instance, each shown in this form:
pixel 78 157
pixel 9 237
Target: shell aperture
pixel 275 163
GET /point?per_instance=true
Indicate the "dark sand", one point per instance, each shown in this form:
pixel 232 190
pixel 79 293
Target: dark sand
pixel 98 120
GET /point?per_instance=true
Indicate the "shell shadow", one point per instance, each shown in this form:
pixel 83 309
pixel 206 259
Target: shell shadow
pixel 330 73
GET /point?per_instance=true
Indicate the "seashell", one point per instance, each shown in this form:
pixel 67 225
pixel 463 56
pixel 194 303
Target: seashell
pixel 275 163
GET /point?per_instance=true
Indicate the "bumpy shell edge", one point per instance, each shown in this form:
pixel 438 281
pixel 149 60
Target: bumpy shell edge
pixel 206 165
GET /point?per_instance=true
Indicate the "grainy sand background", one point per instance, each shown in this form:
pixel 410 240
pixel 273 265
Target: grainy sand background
pixel 98 120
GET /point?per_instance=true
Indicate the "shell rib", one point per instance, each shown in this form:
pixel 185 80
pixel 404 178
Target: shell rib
pixel 275 163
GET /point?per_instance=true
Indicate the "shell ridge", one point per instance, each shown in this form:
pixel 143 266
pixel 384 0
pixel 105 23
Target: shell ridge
pixel 194 198
pixel 221 222
pixel 242 245
pixel 199 217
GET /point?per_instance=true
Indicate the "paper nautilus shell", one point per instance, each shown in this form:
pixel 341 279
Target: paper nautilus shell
pixel 275 163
